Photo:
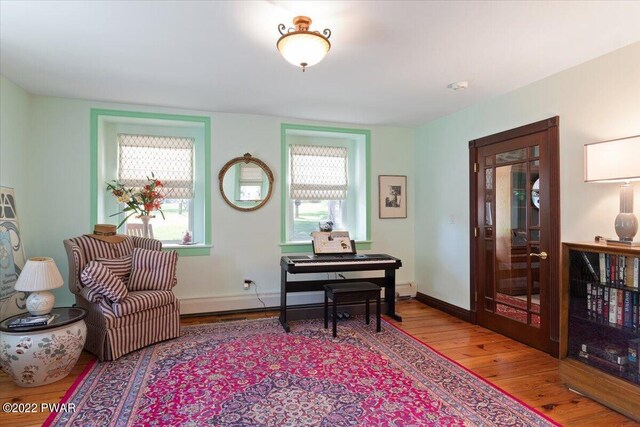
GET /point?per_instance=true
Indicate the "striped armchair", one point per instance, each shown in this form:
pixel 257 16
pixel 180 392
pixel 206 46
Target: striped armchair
pixel 138 317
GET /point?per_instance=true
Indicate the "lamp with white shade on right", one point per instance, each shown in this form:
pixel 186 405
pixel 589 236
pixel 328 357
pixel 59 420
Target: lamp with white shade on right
pixel 617 161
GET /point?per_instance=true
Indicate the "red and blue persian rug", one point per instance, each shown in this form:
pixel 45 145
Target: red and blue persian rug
pixel 252 373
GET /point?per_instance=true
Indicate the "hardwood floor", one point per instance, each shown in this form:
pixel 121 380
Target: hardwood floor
pixel 526 373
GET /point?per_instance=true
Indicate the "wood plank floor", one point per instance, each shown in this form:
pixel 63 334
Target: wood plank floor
pixel 527 374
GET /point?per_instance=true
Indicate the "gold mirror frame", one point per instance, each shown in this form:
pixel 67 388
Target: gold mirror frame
pixel 247 158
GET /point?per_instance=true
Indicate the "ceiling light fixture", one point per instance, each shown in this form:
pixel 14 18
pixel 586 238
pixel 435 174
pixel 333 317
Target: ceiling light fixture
pixel 302 47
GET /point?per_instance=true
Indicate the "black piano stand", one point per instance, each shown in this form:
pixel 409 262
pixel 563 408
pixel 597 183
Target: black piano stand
pixel 388 282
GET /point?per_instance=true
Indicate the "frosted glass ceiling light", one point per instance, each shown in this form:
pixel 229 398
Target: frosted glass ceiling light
pixel 302 47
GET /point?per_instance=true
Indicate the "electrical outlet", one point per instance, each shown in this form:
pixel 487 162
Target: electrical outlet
pixel 246 284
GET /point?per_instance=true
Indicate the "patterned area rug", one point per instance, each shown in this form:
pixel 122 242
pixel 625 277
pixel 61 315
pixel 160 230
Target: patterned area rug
pixel 251 373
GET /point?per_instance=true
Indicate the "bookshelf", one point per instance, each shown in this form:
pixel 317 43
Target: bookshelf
pixel 599 326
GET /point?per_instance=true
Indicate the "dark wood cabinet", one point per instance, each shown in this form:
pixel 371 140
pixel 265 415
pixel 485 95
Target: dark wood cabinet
pixel 599 330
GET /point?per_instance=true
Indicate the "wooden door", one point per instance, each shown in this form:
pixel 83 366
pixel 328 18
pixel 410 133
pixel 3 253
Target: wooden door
pixel 515 244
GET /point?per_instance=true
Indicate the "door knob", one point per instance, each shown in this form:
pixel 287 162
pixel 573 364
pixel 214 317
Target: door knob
pixel 541 255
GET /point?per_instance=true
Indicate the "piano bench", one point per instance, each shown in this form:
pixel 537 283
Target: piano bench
pixel 350 292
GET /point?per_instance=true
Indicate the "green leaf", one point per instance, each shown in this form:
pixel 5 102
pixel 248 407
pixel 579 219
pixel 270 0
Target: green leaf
pixel 125 219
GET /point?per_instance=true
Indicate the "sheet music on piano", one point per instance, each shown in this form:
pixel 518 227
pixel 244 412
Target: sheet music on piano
pixel 332 242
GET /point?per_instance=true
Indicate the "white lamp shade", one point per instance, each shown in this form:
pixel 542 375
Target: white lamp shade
pixel 39 274
pixel 613 161
pixel 303 48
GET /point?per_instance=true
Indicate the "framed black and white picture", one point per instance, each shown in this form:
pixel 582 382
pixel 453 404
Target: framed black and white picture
pixel 392 195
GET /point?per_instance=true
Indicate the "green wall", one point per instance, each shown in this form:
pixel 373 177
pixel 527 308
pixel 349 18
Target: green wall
pixel 596 101
pixel 244 245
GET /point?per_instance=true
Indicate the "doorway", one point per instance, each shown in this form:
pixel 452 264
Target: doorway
pixel 515 239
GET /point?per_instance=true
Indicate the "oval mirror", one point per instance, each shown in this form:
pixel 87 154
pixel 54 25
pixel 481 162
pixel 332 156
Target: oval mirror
pixel 246 183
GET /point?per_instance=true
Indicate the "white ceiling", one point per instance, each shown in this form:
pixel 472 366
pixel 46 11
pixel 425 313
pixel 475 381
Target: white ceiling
pixel 389 64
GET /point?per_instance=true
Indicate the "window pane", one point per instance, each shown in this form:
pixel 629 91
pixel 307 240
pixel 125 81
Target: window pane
pixel 175 222
pixel 307 214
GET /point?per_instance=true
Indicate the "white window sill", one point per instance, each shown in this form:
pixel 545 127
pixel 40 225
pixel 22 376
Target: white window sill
pixel 199 249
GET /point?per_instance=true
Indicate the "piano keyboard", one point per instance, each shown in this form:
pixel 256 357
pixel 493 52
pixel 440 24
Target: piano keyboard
pixel 305 263
pixel 327 262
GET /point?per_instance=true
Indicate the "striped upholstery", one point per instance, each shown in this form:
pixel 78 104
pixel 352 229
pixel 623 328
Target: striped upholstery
pixel 142 300
pixel 152 270
pixel 120 267
pixel 102 280
pixel 151 244
pixel 140 319
pixel 91 295
pixel 93 248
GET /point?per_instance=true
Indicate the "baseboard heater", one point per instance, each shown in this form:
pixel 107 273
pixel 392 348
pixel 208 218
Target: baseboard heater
pixel 406 290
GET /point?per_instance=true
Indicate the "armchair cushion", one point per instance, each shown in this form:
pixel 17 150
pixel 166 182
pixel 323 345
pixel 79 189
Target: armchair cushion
pixel 100 279
pixel 152 270
pixel 120 267
pixel 138 301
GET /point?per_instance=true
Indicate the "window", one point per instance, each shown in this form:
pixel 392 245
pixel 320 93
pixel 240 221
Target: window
pixel 325 173
pixel 129 146
pixel 171 160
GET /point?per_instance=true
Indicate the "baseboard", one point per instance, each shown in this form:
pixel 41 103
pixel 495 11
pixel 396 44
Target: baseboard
pixel 445 307
pixel 248 301
pixel 297 309
pixel 239 303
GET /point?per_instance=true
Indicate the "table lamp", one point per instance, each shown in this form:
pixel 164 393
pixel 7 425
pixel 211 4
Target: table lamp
pixel 617 160
pixel 38 276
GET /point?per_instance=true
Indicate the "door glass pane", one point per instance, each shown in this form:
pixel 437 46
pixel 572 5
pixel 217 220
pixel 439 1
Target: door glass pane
pixel 511 156
pixel 510 308
pixel 488 257
pixel 513 282
pixel 534 268
pixel 488 198
pixel 534 179
pixel 534 151
pixel 534 235
pixel 535 217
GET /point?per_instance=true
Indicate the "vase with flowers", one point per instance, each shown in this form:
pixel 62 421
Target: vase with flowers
pixel 140 202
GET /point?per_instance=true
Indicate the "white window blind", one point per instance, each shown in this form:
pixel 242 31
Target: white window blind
pixel 250 173
pixel 318 172
pixel 169 158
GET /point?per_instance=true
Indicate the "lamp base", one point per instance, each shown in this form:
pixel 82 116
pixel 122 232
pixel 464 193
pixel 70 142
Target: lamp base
pixel 626 243
pixel 40 303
